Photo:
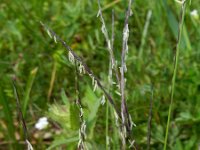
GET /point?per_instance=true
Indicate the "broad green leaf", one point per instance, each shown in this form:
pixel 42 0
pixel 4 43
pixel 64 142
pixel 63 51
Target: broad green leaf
pixel 74 117
pixel 173 24
pixel 178 145
pixel 93 103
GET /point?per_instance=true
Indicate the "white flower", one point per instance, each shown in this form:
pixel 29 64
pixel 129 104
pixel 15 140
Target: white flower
pixel 194 14
pixel 42 123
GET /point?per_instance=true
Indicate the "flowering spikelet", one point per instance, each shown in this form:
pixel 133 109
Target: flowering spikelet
pixel 98 14
pixel 49 33
pixel 81 112
pixel 95 85
pixel 71 57
pixel 30 147
pixel 132 123
pixel 103 100
pixel 131 143
pixel 82 135
pixel 55 40
pixel 81 68
pixel 116 118
pixel 118 93
pixel 125 37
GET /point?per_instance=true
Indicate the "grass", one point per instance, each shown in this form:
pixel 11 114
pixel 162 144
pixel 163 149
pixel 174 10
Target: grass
pixel 176 57
pixel 28 90
pixel 51 91
pixel 8 117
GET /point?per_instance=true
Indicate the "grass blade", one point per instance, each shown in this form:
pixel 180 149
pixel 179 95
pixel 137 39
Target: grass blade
pixel 144 34
pixel 150 120
pixel 62 142
pixel 28 90
pixel 53 77
pixel 8 116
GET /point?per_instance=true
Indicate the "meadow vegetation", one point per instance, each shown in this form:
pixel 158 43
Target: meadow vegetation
pixel 55 81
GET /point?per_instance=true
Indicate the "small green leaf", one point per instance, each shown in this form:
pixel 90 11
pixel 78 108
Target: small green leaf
pixel 60 142
pixel 74 117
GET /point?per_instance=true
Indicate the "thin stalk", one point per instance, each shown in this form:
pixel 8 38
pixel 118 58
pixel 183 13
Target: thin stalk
pixel 115 127
pixel 28 90
pixel 124 110
pixel 82 134
pixel 20 114
pixel 182 14
pixel 149 121
pixel 115 121
pixel 144 34
pixel 107 125
pixel 109 42
pixel 53 77
pixel 110 81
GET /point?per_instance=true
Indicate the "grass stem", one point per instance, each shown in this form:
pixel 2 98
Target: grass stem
pixel 182 14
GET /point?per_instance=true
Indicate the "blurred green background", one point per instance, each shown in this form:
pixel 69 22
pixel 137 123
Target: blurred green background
pixel 45 78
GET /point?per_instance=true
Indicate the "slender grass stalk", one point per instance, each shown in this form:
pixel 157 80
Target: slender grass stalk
pixel 149 120
pixel 107 126
pixel 28 90
pixel 110 81
pixel 82 134
pixel 112 63
pixel 53 77
pixel 182 14
pixel 115 134
pixel 144 34
pixel 126 125
pixel 109 44
pixel 20 114
pixel 115 129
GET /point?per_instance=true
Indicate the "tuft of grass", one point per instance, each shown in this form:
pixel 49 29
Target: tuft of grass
pixel 8 117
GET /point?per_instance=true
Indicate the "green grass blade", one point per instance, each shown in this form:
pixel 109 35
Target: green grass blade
pixel 63 142
pixel 8 117
pixel 144 34
pixel 28 90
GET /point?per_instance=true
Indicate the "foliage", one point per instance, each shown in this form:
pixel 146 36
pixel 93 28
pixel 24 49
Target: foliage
pixel 50 90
